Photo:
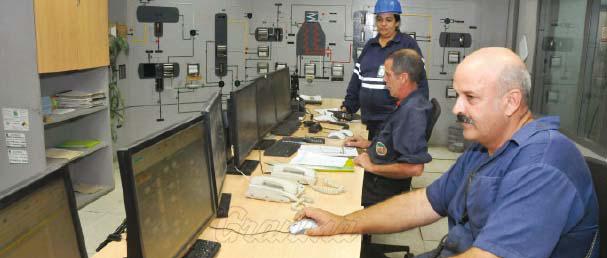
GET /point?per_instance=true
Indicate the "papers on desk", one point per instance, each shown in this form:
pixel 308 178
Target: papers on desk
pixel 330 150
pixel 56 153
pixel 314 159
pixel 325 116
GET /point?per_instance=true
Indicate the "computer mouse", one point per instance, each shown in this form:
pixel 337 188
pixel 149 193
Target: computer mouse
pixel 336 135
pixel 315 128
pixel 300 227
pixel 347 133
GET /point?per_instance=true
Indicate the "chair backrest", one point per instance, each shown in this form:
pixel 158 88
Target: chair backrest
pixel 598 169
pixel 434 117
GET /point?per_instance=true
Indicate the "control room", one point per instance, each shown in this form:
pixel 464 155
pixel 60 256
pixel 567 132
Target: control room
pixel 291 128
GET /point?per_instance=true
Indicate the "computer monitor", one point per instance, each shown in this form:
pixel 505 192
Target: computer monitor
pixel 213 117
pixel 266 107
pixel 41 220
pixel 167 190
pixel 242 108
pixel 280 82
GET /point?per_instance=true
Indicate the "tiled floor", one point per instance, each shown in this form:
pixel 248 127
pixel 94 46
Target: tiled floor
pixel 101 217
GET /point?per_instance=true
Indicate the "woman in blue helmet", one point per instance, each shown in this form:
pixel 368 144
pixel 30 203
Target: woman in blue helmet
pixel 367 89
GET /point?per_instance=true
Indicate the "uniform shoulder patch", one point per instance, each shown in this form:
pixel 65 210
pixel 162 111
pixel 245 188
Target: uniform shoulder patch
pixel 380 149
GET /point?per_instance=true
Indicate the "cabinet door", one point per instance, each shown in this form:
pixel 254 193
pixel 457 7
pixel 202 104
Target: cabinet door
pixel 93 31
pixel 56 35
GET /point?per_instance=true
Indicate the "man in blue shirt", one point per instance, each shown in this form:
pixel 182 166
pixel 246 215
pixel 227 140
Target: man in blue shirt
pixel 524 190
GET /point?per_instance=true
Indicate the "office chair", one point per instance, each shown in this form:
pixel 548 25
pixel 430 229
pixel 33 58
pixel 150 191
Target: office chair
pixel 434 117
pixel 379 250
pixel 598 169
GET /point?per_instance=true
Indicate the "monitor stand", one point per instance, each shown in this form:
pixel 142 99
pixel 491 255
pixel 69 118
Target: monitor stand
pixel 248 166
pixel 203 249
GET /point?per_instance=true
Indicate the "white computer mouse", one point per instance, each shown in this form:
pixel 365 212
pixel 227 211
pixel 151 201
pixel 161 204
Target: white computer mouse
pixel 347 132
pixel 336 135
pixel 299 227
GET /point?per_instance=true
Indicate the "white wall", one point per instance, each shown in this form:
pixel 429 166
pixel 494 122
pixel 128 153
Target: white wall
pixel 421 16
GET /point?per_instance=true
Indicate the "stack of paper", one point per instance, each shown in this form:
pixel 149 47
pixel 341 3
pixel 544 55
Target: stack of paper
pixel 330 150
pixel 79 144
pixel 80 99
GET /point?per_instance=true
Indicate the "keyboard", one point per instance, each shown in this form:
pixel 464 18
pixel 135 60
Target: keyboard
pixel 224 205
pixel 286 128
pixel 282 149
pixel 203 249
pixel 264 144
pixel 313 140
pixel 247 167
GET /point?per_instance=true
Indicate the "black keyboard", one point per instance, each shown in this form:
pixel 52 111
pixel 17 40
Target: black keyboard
pixel 247 167
pixel 203 249
pixel 286 128
pixel 282 149
pixel 313 140
pixel 264 144
pixel 224 205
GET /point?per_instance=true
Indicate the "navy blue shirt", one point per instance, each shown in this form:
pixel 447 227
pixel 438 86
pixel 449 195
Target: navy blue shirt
pixel 367 89
pixel 403 136
pixel 533 198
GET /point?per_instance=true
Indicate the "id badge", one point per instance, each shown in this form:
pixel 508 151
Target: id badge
pixel 381 71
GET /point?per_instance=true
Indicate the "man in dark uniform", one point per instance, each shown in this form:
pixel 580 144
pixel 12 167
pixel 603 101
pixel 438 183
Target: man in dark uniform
pixel 400 150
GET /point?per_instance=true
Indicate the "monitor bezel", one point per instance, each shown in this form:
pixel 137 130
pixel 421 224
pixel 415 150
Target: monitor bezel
pixel 206 114
pixel 63 173
pixel 272 81
pixel 238 160
pixel 134 245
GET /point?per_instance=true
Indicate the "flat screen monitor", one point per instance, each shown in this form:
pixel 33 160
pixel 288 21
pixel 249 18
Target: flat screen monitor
pixel 167 190
pixel 213 117
pixel 280 82
pixel 266 107
pixel 243 121
pixel 41 220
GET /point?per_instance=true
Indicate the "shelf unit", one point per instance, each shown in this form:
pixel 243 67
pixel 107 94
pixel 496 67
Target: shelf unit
pixel 94 166
pixel 50 120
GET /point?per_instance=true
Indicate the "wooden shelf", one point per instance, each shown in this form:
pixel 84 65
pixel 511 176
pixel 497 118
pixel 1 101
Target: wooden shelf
pixel 55 119
pixel 84 199
pixel 54 164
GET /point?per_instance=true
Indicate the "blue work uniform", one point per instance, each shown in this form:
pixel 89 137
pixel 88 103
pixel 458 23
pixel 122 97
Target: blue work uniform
pixel 533 197
pixel 367 90
pixel 402 139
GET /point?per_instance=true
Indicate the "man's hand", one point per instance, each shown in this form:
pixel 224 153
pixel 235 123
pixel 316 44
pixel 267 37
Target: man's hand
pixel 328 223
pixel 357 141
pixel 363 160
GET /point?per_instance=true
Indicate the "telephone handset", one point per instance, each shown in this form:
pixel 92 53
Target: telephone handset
pixel 274 189
pixel 302 175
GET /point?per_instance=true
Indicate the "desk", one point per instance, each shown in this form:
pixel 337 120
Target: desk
pixel 252 216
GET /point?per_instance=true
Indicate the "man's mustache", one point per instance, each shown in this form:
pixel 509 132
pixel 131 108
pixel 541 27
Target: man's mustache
pixel 461 118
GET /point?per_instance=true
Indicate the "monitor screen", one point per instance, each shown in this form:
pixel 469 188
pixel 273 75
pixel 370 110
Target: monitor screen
pixel 167 190
pixel 243 121
pixel 213 116
pixel 266 108
pixel 281 86
pixel 41 220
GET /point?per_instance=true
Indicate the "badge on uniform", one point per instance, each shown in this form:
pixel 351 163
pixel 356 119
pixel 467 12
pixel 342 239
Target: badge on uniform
pixel 381 71
pixel 381 149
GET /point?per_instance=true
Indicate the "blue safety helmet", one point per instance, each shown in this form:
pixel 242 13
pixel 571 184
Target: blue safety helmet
pixel 388 6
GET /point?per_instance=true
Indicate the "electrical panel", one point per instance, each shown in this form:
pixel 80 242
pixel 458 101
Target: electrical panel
pixel 455 39
pixel 268 34
pixel 337 72
pixel 221 44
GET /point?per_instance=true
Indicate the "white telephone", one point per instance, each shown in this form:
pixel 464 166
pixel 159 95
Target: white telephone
pixel 274 189
pixel 302 175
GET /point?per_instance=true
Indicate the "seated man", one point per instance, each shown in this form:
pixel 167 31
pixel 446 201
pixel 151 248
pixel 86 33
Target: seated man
pixel 399 150
pixel 524 190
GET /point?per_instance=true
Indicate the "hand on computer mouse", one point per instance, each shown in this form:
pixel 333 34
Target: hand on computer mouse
pixel 357 141
pixel 328 224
